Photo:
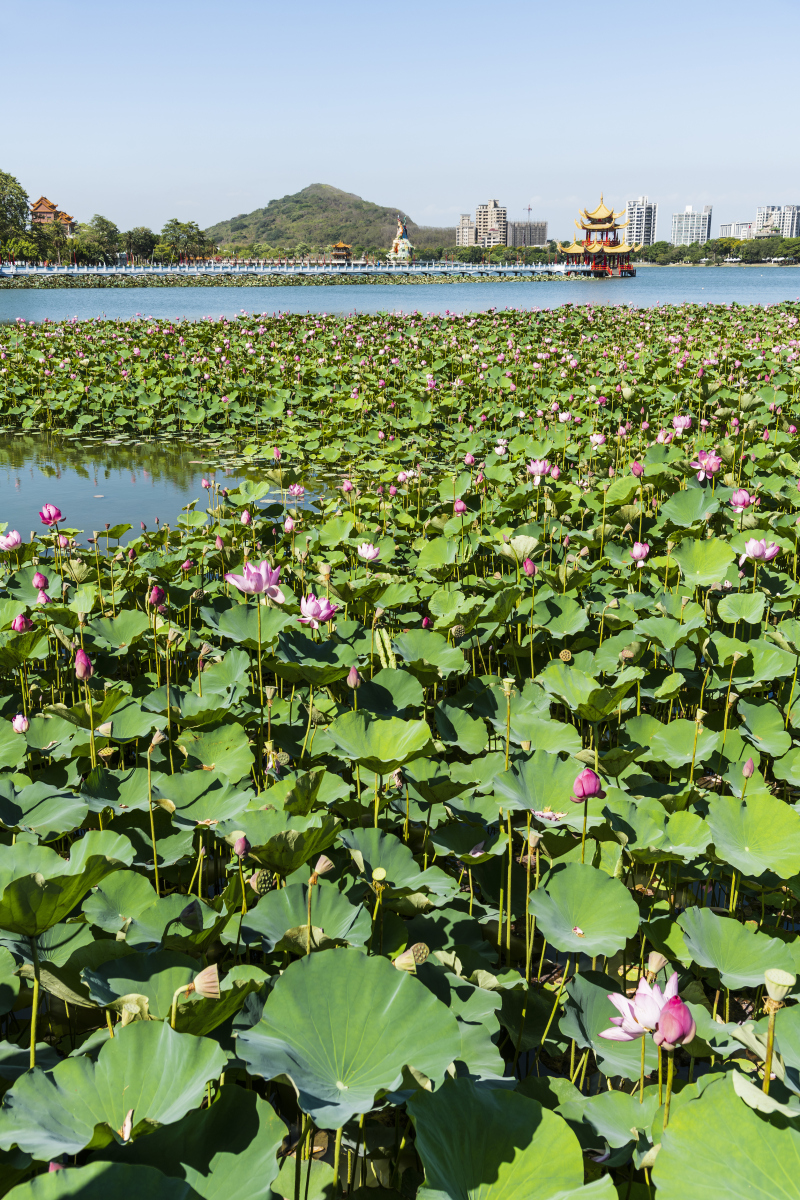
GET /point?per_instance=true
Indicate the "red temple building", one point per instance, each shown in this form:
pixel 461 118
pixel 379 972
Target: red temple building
pixel 601 248
pixel 45 211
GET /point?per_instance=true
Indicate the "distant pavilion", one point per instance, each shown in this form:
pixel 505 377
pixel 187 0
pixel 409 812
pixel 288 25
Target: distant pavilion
pixel 601 248
pixel 44 212
pixel 341 253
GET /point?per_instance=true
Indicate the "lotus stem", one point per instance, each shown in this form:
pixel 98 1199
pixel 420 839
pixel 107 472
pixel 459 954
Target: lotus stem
pixel 152 819
pixel 641 1075
pixel 34 1000
pixel 772 1008
pixel 670 1076
pixel 93 752
pixel 337 1150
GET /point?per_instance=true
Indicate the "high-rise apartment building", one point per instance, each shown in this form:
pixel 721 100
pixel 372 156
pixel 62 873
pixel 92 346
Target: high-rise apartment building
pixel 465 231
pixel 526 233
pixel 777 220
pixel 690 226
pixel 491 221
pixel 642 217
pixel 741 230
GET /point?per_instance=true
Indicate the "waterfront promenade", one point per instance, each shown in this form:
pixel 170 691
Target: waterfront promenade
pixel 265 268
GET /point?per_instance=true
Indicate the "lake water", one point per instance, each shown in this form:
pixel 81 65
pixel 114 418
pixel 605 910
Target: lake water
pixel 652 286
pixel 96 484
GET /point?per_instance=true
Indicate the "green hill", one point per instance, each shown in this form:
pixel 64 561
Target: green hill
pixel 320 215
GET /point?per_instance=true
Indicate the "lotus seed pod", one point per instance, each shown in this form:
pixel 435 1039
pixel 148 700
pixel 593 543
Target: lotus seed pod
pixel 206 984
pixel 565 656
pixel 411 958
pixel 508 687
pixel 192 916
pixel 378 875
pixel 778 983
pixel 458 632
pixel 323 865
pixel 656 962
pixel 283 758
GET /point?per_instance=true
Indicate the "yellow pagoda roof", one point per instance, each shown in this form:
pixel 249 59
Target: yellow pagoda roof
pixel 601 213
pixel 575 248
pixel 600 226
pixel 341 246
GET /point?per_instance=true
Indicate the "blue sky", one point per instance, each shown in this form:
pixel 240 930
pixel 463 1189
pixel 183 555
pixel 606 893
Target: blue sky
pixel 146 111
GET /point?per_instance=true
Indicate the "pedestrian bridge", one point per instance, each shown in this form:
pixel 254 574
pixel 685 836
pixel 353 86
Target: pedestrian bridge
pixel 313 269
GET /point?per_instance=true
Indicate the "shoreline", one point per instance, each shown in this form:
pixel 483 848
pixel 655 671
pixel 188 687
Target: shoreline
pixel 78 282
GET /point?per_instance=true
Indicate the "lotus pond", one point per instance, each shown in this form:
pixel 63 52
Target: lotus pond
pixel 415 811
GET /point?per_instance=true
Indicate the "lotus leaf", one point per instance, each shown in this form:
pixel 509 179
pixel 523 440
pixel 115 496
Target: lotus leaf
pixel 755 835
pixel 736 952
pixel 588 1011
pixel 582 910
pixel 281 919
pixel 379 744
pixel 146 1067
pixel 98 1180
pixel 343 1026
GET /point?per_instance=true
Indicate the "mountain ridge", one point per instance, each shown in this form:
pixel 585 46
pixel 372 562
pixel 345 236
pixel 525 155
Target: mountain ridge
pixel 320 215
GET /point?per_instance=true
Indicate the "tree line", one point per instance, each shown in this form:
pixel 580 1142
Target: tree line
pixel 94 242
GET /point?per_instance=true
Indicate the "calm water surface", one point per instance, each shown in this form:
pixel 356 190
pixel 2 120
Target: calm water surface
pixel 652 286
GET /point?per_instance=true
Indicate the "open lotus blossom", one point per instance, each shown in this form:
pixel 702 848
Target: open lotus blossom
pixel 316 611
pixel 597 439
pixel 258 580
pixel 50 514
pixel 681 424
pixel 640 1014
pixel 639 552
pixel 707 465
pixel 758 550
pixel 741 500
pixel 538 468
pixel 368 552
pixel 10 541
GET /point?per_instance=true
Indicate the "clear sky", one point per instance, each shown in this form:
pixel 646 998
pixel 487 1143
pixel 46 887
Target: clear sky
pixel 145 111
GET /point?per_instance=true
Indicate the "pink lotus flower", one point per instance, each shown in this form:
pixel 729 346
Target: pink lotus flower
pixel 258 580
pixel 39 580
pixel 218 542
pixel 10 541
pixel 529 567
pixel 50 514
pixel 43 598
pixel 156 596
pixel 83 666
pixel 675 1024
pixel 681 424
pixel 21 624
pixel 316 611
pixel 707 465
pixel 639 1015
pixel 538 467
pixel 469 460
pixel 241 847
pixel 368 552
pixel 586 786
pixel 187 566
pixel 347 486
pixel 757 550
pixel 245 518
pixel 288 525
pixel 459 507
pixel 741 500
pixel 637 469
pixel 555 473
pixel 20 723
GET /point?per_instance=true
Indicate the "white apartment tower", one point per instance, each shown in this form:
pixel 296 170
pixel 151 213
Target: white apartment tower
pixel 784 219
pixel 690 226
pixel 465 231
pixel 642 217
pixel 491 221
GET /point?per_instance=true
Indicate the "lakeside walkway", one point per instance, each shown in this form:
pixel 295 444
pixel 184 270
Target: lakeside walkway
pixel 354 269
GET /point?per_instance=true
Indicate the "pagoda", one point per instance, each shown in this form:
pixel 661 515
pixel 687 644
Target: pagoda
pixel 601 248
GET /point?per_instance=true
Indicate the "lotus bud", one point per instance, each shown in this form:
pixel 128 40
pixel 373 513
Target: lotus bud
pixel 105 729
pixel 245 517
pixel 586 786
pixel 56 1166
pixel 156 596
pixel 241 847
pixel 40 581
pixel 412 958
pixel 354 680
pixel 22 624
pixel 83 666
pixel 637 469
pixel 20 723
pixel 778 983
pixel 675 1025
pixel 529 567
pixel 288 525
pixel 748 769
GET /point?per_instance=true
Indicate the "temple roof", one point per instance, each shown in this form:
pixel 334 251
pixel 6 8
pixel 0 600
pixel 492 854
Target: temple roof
pixel 341 246
pixel 43 202
pixel 599 226
pixel 601 213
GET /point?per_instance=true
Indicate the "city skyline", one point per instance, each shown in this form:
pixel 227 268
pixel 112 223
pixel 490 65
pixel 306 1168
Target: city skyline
pixel 201 127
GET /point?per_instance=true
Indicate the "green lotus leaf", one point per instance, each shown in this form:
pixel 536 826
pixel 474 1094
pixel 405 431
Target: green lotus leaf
pixel 63 952
pixel 121 632
pixel 582 910
pixel 240 624
pixel 281 841
pixel 476 1011
pixel 372 848
pixel 225 749
pixel 718 1146
pixel 9 981
pixel 583 694
pixel 99 1180
pixel 343 1026
pixel 788 767
pixel 429 656
pixel 13 747
pixel 17 648
pixel 146 1066
pixel 218 1151
pixel 758 834
pixel 390 692
pixel 542 782
pixel 686 507
pixel 487 1144
pixel 173 844
pixel 674 744
pixel 456 727
pixel 615 1117
pixel 702 562
pixel 740 955
pixel 666 632
pixel 201 796
pixel 296 657
pixel 742 606
pixel 156 976
pixel 379 744
pixel 552 736
pixel 762 724
pixel 588 1011
pixel 561 616
pixel 39 888
pixel 229 678
pixel 280 919
pixel 40 809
